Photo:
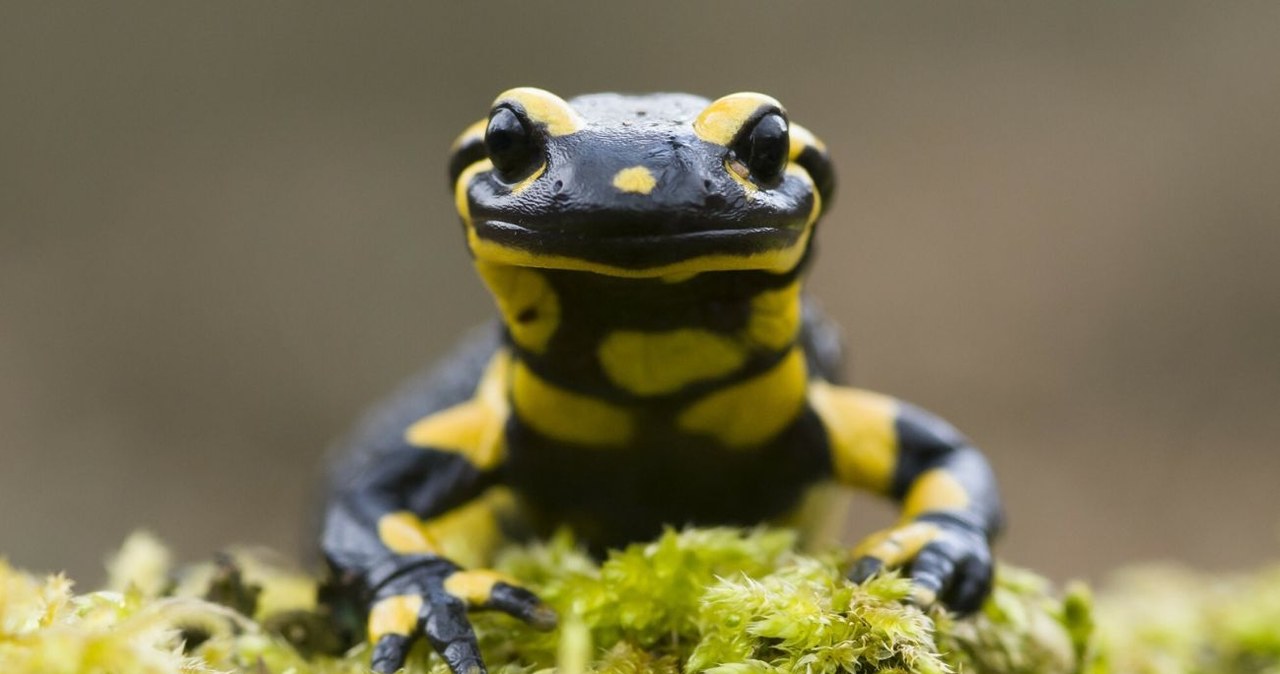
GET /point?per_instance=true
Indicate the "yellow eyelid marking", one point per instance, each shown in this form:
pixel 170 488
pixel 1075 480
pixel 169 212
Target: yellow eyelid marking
pixel 721 121
pixel 568 416
pixel 473 428
pixel 635 180
pixel 473 132
pixel 936 490
pixel 476 586
pixel 860 428
pixel 653 363
pixel 394 615
pixel 802 138
pixel 545 108
pixel 750 413
pixel 461 200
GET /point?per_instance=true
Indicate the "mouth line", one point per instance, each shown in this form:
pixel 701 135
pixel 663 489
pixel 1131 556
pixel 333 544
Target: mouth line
pixel 512 232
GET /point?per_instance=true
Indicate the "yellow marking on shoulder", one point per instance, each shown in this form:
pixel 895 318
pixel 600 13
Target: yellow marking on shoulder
pixel 473 428
pixel 779 261
pixel 476 586
pixel 721 121
pixel 775 317
pixel 802 138
pixel 475 131
pixel 394 615
pixel 860 428
pixel 751 412
pixel 545 108
pixel 467 535
pixel 568 416
pixel 636 180
pixel 528 303
pixel 654 363
pixel 935 490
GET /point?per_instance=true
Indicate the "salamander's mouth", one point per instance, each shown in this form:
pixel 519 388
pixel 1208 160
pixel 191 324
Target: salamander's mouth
pixel 636 249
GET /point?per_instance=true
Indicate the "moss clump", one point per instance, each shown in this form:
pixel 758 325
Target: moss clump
pixel 715 600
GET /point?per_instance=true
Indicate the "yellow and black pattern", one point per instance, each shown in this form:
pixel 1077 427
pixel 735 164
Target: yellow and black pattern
pixel 657 365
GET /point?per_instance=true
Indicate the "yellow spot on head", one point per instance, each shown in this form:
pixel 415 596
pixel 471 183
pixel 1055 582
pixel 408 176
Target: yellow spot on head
pixel 394 615
pixel 637 180
pixel 721 121
pixel 752 412
pixel 545 108
pixel 567 416
pixel 860 425
pixel 654 363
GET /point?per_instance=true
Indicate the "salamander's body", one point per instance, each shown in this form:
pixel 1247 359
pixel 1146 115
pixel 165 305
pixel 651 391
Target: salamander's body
pixel 656 365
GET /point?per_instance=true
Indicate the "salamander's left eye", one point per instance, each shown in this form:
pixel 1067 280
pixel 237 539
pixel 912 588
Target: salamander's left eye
pixel 510 143
pixel 764 147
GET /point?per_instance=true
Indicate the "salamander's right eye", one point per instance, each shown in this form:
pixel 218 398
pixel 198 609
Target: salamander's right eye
pixel 511 145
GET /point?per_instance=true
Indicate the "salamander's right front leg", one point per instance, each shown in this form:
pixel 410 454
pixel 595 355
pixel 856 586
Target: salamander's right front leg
pixel 379 542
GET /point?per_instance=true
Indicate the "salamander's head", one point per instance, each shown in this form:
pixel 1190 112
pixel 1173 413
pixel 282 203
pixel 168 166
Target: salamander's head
pixel 645 186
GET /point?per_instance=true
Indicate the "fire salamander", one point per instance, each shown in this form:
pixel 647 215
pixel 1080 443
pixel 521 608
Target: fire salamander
pixel 656 364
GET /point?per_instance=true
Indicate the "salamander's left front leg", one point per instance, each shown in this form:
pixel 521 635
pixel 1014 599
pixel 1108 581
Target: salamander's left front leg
pixel 950 506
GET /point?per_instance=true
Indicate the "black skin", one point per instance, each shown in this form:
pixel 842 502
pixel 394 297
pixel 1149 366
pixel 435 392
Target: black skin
pixel 570 210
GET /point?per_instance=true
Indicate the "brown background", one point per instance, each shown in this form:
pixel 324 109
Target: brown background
pixel 224 229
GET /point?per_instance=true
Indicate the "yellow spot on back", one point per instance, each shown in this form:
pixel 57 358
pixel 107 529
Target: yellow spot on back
pixel 474 428
pixel 403 533
pixel 754 411
pixel 936 490
pixel 775 317
pixel 721 121
pixel 860 426
pixel 568 416
pixel 528 304
pixel 654 363
pixel 636 180
pixel 545 108
pixel 394 615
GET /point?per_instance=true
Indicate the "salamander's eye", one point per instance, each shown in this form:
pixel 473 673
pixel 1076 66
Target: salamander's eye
pixel 510 143
pixel 764 147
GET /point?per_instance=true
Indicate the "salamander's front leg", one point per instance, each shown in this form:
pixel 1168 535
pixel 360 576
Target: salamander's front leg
pixel 388 529
pixel 381 542
pixel 950 505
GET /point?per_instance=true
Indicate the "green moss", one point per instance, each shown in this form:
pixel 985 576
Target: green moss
pixel 711 600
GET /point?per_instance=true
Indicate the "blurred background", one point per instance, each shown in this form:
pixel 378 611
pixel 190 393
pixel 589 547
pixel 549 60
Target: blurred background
pixel 224 230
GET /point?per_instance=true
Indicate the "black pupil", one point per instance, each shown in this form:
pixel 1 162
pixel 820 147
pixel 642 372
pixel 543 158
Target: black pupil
pixel 508 141
pixel 767 147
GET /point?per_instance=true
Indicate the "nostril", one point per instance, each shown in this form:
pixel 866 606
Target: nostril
pixel 557 186
pixel 706 185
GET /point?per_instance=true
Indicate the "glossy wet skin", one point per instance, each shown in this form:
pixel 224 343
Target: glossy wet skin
pixel 638 185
